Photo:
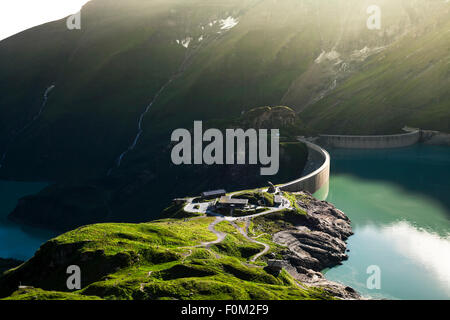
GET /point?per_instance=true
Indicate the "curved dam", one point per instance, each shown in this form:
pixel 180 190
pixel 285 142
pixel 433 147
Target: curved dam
pixel 371 142
pixel 317 180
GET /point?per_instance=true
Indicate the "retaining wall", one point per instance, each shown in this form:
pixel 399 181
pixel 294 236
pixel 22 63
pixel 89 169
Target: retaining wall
pixel 316 180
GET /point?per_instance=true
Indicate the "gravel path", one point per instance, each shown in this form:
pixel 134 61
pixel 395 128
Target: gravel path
pixel 245 234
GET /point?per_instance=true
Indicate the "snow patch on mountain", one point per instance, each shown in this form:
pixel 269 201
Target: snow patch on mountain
pixel 332 55
pixel 185 42
pixel 228 23
pixel 364 53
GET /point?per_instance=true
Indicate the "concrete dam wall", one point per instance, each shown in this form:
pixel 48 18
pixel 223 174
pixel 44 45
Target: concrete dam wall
pixel 318 179
pixel 371 142
pixel 316 176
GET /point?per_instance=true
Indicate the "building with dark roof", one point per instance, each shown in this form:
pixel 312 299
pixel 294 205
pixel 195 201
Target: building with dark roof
pixel 228 202
pixel 213 194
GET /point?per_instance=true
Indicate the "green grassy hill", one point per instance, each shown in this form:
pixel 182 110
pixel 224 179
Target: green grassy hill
pixel 164 259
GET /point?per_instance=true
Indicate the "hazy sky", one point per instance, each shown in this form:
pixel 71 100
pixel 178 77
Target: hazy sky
pixel 19 15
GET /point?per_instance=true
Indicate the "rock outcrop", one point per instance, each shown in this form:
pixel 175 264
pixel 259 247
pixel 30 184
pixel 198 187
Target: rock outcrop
pixel 269 117
pixel 314 242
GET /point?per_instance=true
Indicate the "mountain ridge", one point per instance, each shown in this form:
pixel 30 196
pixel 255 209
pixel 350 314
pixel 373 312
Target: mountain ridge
pixel 317 57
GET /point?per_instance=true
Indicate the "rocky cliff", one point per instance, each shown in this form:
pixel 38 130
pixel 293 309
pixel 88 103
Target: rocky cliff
pixel 313 242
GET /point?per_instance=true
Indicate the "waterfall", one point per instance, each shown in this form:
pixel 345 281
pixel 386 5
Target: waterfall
pixel 26 126
pixel 226 25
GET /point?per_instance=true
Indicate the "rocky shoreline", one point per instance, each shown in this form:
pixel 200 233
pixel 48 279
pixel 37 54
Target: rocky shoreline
pixel 315 242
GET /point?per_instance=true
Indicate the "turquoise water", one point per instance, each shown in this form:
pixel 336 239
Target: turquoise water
pixel 399 204
pixel 16 241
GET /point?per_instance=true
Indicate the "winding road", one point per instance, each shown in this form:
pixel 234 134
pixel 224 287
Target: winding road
pixel 222 235
pixel 204 208
pixel 246 236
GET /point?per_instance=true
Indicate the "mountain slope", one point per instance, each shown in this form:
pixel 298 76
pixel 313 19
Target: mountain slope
pixel 139 69
pixel 108 72
pixel 404 83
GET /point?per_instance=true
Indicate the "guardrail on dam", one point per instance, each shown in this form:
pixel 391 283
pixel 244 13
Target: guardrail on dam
pixel 371 142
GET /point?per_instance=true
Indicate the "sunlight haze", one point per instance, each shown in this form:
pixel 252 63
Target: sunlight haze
pixel 19 15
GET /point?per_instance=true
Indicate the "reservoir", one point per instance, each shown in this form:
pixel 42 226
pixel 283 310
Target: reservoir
pixel 399 204
pixel 16 241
